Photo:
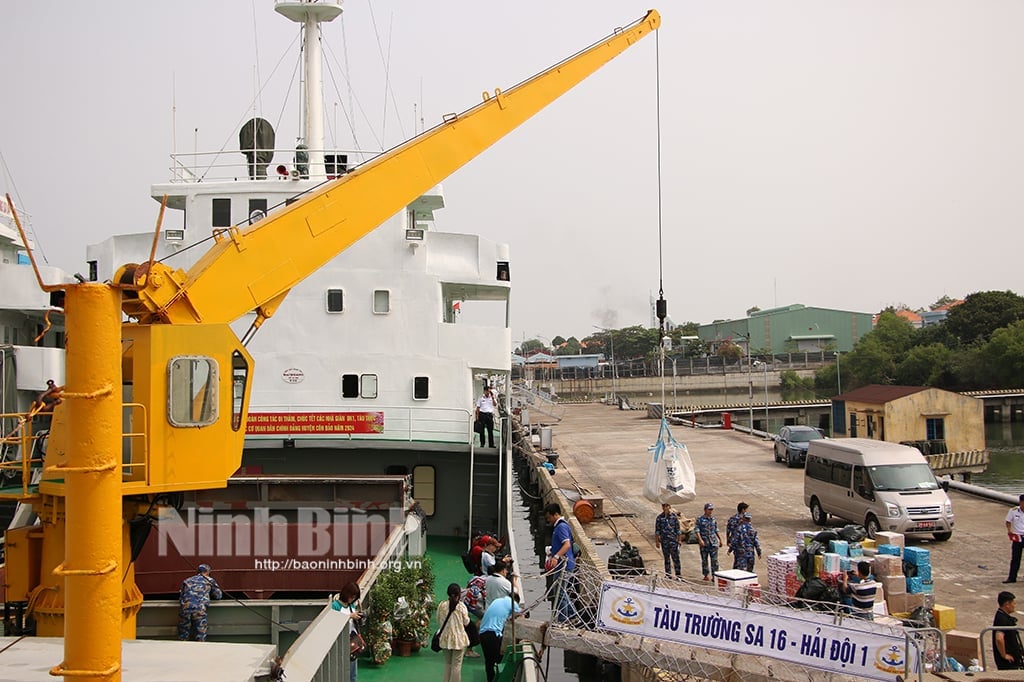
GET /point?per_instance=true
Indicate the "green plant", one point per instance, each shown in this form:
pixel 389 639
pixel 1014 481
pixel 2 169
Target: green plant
pixel 399 606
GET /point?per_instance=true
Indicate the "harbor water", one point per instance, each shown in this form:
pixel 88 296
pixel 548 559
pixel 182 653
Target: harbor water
pixel 1005 443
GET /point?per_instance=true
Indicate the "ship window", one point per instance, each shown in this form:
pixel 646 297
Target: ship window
pixel 93 271
pixel 503 273
pixel 349 385
pixel 420 388
pixel 192 391
pixel 369 386
pixel 221 213
pixel 335 300
pixel 381 301
pixel 424 489
pixel 257 210
pixel 239 379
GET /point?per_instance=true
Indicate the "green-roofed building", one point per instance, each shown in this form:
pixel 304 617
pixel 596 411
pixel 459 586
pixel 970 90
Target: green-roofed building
pixel 791 329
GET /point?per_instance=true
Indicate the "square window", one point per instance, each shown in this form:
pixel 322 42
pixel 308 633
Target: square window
pixel 221 213
pixel 349 385
pixel 381 301
pixel 335 300
pixel 420 388
pixel 369 386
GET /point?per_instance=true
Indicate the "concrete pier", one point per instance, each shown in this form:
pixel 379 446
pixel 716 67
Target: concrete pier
pixel 604 451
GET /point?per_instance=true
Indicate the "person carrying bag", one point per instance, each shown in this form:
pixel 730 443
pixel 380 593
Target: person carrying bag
pixel 454 640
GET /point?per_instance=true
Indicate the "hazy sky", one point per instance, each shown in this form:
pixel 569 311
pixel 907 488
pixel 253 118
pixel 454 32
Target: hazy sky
pixel 848 155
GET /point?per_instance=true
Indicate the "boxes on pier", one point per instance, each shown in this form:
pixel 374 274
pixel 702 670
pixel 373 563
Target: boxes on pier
pixel 945 618
pixel 887 538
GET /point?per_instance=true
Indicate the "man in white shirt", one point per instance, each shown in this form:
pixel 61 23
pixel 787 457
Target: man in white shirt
pixel 498 583
pixel 485 408
pixel 1015 530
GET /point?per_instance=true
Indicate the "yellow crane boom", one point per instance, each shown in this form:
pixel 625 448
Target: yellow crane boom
pixel 254 268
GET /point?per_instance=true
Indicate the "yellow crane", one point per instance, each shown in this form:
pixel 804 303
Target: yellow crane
pixel 178 374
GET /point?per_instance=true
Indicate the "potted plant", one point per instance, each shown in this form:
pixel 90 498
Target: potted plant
pixel 400 605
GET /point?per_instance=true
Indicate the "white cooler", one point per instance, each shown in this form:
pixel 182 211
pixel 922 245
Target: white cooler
pixel 734 581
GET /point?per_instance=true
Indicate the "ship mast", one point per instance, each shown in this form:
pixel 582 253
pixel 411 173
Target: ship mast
pixel 310 13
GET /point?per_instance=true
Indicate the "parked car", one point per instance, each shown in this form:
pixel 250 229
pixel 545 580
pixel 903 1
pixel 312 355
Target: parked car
pixel 791 444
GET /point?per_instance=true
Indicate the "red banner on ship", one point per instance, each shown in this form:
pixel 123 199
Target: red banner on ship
pixel 312 423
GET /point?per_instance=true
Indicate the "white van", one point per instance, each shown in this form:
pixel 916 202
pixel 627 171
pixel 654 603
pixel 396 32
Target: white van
pixel 884 486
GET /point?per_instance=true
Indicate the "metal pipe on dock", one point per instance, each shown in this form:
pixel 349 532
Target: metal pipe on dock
pixel 978 491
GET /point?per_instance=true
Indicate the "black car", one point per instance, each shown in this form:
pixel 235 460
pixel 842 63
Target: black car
pixel 791 444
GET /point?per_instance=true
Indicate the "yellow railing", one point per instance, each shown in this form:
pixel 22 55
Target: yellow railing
pixel 22 439
pixel 135 447
pixel 14 444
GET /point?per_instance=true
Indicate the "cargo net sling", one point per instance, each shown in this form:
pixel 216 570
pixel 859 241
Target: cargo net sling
pixel 670 475
pixel 723 631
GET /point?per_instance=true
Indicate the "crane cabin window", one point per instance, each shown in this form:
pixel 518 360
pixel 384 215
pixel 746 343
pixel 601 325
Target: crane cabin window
pixel 381 302
pixel 192 391
pixel 335 301
pixel 239 379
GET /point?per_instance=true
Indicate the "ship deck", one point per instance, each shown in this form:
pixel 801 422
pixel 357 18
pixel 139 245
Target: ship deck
pixel 29 659
pixel 425 664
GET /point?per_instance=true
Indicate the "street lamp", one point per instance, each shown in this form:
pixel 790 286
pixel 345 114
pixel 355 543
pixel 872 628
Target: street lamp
pixel 764 368
pixel 611 343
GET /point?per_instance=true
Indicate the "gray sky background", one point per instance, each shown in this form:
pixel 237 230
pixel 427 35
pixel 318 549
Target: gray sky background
pixel 849 155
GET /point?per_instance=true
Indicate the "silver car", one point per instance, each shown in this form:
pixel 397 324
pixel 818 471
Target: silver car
pixel 791 444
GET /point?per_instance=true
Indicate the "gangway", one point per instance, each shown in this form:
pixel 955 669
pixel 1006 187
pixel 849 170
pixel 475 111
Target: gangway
pixel 537 401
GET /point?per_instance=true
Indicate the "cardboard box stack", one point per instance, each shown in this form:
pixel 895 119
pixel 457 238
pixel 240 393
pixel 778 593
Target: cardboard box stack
pixel 782 571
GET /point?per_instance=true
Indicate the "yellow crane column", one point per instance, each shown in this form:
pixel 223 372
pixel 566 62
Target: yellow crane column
pixel 92 476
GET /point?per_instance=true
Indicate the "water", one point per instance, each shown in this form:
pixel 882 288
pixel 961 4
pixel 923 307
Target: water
pixel 1005 443
pixel 532 535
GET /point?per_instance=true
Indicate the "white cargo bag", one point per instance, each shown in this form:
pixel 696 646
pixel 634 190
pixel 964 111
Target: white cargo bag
pixel 670 475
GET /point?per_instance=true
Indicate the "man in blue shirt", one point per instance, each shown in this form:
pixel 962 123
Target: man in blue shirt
pixel 492 628
pixel 562 563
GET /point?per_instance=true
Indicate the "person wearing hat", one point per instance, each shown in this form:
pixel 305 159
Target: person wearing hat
pixel 667 537
pixel 1015 530
pixel 196 593
pixel 744 544
pixel 485 544
pixel 709 540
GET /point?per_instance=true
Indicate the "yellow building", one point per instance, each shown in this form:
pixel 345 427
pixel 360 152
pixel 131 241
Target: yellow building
pixel 934 420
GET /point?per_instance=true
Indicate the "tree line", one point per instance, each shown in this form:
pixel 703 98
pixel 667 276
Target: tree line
pixel 980 345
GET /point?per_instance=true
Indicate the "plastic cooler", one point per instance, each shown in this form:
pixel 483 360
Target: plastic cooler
pixel 734 581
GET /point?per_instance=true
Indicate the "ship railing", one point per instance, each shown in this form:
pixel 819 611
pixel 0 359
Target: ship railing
pixel 14 444
pixel 321 652
pixel 135 447
pixel 284 165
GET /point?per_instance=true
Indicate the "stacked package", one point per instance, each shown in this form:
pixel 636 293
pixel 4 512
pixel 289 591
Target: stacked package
pixel 918 569
pixel 782 574
pixel 888 570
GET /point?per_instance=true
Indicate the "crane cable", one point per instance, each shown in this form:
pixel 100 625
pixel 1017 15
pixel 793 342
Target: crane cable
pixel 662 305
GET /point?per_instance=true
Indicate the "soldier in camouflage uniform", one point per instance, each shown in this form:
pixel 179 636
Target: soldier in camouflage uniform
pixel 744 544
pixel 667 536
pixel 196 593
